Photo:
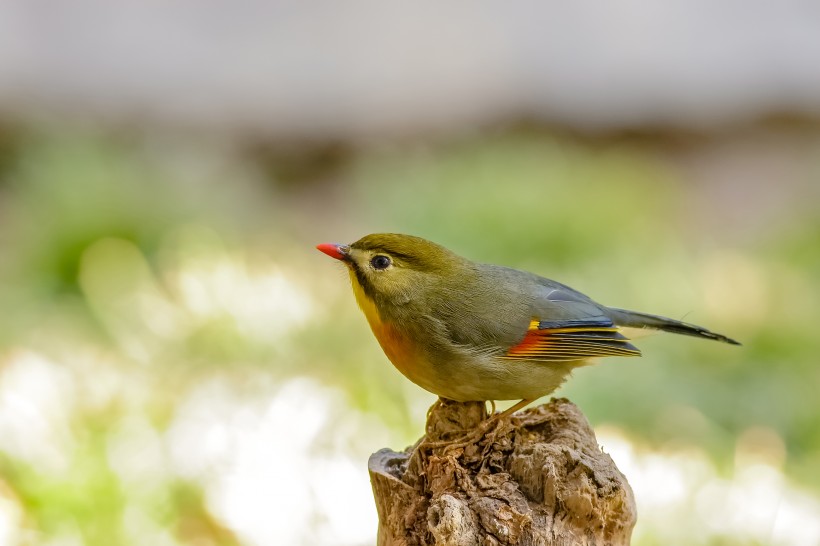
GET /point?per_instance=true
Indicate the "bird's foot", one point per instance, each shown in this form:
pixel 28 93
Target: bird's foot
pixel 488 428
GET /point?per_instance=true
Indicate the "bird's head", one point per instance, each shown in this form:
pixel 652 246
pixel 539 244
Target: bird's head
pixel 394 268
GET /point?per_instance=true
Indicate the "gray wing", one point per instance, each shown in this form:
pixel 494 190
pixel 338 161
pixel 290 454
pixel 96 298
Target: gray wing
pixel 539 319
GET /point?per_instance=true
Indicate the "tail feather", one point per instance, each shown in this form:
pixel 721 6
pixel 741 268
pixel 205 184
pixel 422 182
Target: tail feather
pixel 634 319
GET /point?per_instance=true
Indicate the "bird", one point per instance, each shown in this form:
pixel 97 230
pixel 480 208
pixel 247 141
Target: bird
pixel 469 331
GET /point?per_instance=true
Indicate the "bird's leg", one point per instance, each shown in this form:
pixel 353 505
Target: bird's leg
pixel 499 419
pixel 492 411
pixel 482 429
pixel 512 409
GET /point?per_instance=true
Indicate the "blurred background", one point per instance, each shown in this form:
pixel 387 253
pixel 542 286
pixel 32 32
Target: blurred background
pixel 179 366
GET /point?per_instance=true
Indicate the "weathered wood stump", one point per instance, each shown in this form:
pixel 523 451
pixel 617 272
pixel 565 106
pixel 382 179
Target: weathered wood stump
pixel 538 479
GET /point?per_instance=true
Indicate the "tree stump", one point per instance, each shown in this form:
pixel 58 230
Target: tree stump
pixel 537 478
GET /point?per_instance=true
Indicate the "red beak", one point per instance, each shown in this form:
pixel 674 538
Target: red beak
pixel 333 250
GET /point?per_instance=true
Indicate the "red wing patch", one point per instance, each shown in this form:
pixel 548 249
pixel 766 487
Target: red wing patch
pixel 571 340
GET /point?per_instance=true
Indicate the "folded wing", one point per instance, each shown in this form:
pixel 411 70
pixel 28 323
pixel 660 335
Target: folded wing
pixel 572 339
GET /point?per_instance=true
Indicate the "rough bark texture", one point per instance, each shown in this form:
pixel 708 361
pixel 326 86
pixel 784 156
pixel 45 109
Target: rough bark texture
pixel 538 478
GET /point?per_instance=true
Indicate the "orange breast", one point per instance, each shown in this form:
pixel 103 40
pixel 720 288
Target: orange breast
pixel 398 348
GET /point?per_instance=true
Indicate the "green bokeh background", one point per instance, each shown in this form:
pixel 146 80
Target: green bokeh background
pixel 97 229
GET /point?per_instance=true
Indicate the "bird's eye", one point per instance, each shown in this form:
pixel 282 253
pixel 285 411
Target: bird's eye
pixel 380 261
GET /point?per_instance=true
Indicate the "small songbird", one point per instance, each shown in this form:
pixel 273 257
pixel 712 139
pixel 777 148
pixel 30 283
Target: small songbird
pixel 470 331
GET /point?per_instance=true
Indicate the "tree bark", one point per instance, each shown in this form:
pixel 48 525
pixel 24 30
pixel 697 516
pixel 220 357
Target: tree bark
pixel 537 478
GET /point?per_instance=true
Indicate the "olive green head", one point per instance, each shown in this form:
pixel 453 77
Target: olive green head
pixel 392 267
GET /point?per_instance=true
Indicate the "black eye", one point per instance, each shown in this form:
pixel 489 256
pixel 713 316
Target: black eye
pixel 380 261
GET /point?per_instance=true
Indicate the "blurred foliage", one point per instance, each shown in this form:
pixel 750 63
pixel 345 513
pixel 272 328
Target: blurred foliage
pixel 140 270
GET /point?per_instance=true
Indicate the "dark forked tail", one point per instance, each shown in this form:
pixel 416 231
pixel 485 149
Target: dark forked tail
pixel 633 319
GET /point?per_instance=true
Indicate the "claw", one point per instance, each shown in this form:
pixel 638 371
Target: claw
pixel 483 429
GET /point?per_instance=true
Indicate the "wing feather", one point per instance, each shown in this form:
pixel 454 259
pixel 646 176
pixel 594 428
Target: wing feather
pixel 575 339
